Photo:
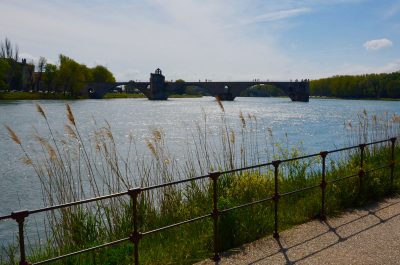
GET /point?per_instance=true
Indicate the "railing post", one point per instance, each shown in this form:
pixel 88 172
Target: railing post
pixel 392 163
pixel 215 214
pixel 20 218
pixel 361 172
pixel 276 197
pixel 323 184
pixel 135 236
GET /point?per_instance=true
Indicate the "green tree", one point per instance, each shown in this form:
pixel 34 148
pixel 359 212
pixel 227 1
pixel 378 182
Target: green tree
pixel 41 67
pixel 393 89
pixel 72 76
pixel 360 86
pixel 101 74
pixel 14 75
pixel 4 69
pixel 50 77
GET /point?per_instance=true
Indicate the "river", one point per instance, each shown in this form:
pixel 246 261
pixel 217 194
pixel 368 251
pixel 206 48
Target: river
pixel 319 124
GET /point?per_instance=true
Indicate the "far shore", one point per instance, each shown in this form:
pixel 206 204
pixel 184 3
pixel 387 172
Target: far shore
pixel 21 95
pixel 381 99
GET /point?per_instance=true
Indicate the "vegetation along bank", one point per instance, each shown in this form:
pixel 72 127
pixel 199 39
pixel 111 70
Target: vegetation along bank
pixel 70 169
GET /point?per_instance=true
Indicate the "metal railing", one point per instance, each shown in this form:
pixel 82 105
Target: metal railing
pixel 136 235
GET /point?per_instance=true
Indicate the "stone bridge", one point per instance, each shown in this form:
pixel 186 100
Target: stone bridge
pixel 158 89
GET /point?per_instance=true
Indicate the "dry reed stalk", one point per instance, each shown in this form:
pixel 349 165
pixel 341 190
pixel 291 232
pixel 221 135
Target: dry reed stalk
pixel 13 135
pixel 70 132
pixel 157 134
pixel 40 110
pixel 242 119
pixel 70 115
pixel 220 103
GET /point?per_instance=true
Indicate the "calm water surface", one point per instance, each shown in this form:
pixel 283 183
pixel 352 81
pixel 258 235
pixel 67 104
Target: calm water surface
pixel 319 124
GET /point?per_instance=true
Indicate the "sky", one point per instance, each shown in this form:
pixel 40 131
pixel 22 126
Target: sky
pixel 210 39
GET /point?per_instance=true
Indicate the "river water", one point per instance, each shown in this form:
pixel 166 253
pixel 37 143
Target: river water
pixel 319 124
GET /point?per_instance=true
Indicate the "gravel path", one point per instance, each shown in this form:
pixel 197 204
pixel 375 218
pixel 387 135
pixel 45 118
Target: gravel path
pixel 369 235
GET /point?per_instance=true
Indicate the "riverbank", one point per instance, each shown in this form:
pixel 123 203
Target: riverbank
pixel 127 95
pixel 20 95
pixel 377 99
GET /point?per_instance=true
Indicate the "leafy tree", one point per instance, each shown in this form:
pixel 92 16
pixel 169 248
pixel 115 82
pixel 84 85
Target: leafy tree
pixel 29 76
pixel 14 75
pixel 41 68
pixel 70 77
pixel 360 86
pixel 262 91
pixel 181 88
pixel 7 51
pixel 50 76
pixel 4 69
pixel 101 74
pixel 393 89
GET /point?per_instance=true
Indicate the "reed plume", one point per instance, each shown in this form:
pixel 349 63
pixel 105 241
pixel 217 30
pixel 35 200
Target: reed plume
pixel 40 110
pixel 13 135
pixel 221 106
pixel 70 115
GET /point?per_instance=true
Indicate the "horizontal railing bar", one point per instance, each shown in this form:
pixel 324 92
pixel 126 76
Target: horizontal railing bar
pixel 299 157
pixel 300 190
pixel 245 205
pixel 246 168
pixel 5 217
pixel 173 183
pixel 175 225
pixel 378 142
pixel 357 146
pixel 78 202
pixel 377 168
pixel 83 251
pixel 343 149
pixel 339 179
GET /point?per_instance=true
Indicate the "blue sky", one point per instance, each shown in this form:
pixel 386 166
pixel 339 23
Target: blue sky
pixel 213 39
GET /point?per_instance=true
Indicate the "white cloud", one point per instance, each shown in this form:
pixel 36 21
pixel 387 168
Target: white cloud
pixel 188 39
pixel 374 45
pixel 276 15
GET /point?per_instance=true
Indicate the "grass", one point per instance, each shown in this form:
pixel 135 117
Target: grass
pixel 70 168
pixel 350 98
pixel 31 96
pixel 185 96
pixel 123 95
pixel 127 95
pixel 19 95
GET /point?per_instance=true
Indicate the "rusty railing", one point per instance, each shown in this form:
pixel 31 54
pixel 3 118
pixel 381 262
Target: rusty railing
pixel 136 235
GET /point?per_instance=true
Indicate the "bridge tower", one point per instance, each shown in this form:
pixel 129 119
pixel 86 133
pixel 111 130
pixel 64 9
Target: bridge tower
pixel 157 86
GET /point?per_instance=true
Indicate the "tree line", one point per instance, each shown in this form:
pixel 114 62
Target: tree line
pixel 68 76
pixel 360 86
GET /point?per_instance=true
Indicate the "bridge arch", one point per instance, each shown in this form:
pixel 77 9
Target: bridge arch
pixel 263 90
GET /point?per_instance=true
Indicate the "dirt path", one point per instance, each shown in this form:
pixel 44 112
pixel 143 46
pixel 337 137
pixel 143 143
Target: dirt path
pixel 369 235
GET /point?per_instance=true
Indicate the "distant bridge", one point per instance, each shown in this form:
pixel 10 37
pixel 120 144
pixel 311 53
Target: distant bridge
pixel 158 89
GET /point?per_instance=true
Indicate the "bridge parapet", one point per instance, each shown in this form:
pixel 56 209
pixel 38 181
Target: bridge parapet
pixel 158 89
